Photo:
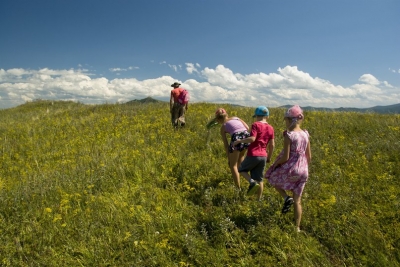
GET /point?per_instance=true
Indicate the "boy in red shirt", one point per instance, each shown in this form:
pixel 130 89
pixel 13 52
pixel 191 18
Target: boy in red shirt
pixel 261 147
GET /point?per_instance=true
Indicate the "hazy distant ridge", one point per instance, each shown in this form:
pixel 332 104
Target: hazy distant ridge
pixel 390 109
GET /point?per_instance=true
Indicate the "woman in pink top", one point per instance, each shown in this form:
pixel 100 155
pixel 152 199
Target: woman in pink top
pixel 238 130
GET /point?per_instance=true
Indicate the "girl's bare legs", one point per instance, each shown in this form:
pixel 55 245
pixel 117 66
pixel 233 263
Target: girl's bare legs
pixel 246 176
pixel 241 157
pixel 260 190
pixel 239 161
pixel 234 159
pixel 281 192
pixel 288 201
pixel 297 210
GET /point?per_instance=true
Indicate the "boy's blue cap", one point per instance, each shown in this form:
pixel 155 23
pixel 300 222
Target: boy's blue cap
pixel 261 111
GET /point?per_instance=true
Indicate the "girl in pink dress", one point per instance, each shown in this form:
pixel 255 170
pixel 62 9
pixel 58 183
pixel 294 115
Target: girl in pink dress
pixel 290 169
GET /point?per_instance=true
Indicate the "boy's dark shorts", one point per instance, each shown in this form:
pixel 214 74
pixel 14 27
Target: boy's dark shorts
pixel 254 165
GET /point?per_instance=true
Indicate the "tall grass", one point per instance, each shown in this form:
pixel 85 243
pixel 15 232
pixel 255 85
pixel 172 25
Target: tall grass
pixel 115 185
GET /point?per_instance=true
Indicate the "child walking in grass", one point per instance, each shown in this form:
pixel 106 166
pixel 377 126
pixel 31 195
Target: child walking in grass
pixel 238 130
pixel 290 169
pixel 260 150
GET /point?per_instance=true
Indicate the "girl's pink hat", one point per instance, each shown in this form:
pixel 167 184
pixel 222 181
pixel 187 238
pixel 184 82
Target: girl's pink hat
pixel 294 112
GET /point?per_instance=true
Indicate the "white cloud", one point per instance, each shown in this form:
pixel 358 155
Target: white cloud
pixel 369 79
pixel 176 68
pixel 288 85
pixel 385 83
pixel 117 69
pixel 191 68
pixel 223 76
pixel 122 69
pixel 17 72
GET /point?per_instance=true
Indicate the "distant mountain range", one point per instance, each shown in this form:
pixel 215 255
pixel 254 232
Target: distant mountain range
pixel 390 109
pixel 144 101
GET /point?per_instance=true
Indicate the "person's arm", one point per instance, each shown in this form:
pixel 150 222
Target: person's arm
pixel 251 138
pixel 246 140
pixel 186 106
pixel 308 153
pixel 270 149
pixel 223 136
pixel 286 152
pixel 171 102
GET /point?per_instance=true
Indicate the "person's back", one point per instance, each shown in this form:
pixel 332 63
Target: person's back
pixel 297 155
pixel 263 133
pixel 234 125
pixel 175 93
pixel 299 141
pixel 176 109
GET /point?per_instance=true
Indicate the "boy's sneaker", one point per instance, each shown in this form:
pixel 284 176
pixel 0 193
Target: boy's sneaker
pixel 253 187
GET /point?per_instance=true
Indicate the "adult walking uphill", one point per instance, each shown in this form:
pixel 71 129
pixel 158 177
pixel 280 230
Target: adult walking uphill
pixel 178 104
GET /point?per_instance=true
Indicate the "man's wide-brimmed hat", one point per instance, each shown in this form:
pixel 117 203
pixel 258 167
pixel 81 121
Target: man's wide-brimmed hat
pixel 175 84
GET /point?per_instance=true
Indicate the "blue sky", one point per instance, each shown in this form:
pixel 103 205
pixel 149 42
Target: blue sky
pixel 330 53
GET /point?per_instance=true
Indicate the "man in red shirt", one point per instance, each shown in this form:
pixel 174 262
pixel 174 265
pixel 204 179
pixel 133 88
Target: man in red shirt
pixel 176 109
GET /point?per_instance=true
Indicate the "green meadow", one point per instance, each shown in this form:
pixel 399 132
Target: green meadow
pixel 115 185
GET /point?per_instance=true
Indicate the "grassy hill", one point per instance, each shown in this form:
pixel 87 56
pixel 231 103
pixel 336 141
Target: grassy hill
pixel 115 185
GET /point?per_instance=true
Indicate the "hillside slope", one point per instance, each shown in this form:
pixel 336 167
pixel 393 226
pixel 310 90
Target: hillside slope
pixel 115 185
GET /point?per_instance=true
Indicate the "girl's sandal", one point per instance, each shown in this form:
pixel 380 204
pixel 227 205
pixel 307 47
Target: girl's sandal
pixel 287 204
